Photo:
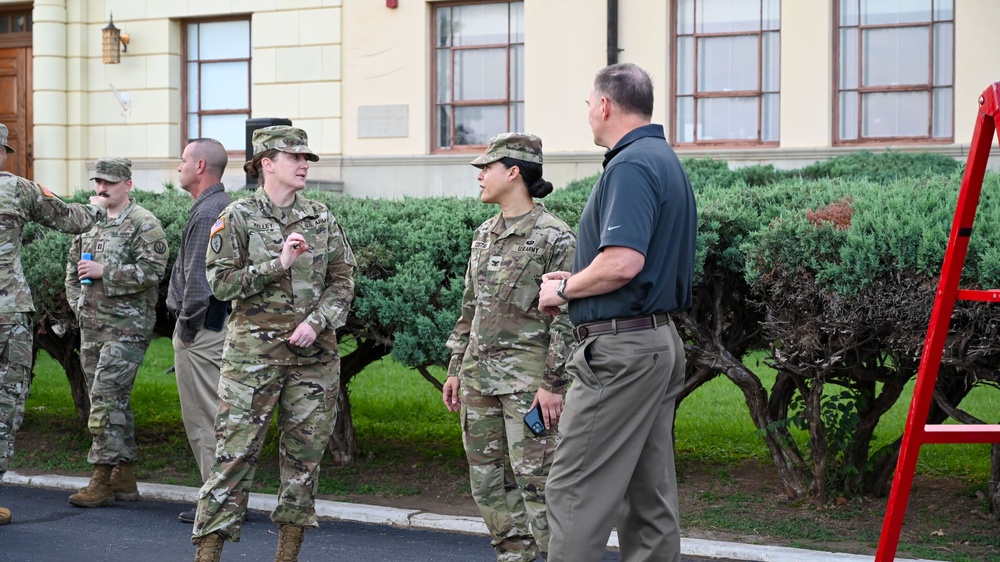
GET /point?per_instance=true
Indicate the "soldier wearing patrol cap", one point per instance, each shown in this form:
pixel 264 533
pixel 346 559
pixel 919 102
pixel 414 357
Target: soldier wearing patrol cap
pixel 508 357
pixel 21 202
pixel 114 298
pixel 286 265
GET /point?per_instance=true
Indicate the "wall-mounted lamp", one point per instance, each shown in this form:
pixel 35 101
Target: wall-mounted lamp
pixel 113 42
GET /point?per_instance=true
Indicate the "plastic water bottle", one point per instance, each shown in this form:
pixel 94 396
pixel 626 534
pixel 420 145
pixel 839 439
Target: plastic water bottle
pixel 86 256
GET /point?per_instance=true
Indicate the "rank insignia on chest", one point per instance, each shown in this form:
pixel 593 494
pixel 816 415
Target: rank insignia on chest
pixel 494 263
pixel 100 246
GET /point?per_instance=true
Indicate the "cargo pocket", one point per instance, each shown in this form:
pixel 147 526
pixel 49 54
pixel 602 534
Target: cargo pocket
pixel 236 415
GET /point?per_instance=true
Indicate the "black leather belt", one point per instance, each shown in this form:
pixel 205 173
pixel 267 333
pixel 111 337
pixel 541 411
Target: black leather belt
pixel 618 325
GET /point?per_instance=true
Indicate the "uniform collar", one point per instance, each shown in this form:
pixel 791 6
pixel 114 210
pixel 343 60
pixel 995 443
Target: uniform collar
pixel 299 210
pixel 523 227
pixel 122 216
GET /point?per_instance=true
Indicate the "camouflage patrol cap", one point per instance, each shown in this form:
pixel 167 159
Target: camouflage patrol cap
pixel 282 138
pixel 511 145
pixel 112 169
pixel 3 138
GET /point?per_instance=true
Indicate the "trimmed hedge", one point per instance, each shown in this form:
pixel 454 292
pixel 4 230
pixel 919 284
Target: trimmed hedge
pixel 835 276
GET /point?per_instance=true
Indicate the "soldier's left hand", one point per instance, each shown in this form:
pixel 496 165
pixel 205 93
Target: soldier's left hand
pixel 294 246
pixel 89 269
pixel 98 200
pixel 303 336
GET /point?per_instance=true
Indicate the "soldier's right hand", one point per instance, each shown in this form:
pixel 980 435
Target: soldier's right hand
pixel 294 246
pixel 449 394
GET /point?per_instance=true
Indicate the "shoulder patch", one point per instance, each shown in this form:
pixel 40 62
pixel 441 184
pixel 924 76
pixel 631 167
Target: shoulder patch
pixel 160 247
pixel 219 225
pixel 46 192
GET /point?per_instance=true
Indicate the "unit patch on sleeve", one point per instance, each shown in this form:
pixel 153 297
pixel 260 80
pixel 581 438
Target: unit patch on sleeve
pixel 217 242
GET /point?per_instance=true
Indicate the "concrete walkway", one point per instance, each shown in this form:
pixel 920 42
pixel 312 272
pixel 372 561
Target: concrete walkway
pixel 414 519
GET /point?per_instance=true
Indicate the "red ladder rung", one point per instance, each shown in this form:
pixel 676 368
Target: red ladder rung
pixel 951 433
pixel 990 295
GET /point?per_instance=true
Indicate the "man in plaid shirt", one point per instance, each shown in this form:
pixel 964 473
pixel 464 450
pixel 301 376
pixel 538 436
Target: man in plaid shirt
pixel 200 331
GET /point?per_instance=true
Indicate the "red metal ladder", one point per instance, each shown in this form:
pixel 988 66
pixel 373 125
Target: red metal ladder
pixel 917 432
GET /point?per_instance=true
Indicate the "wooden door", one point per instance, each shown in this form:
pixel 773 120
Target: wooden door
pixel 15 108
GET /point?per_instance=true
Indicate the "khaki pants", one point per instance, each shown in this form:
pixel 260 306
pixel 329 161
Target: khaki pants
pixel 197 369
pixel 615 463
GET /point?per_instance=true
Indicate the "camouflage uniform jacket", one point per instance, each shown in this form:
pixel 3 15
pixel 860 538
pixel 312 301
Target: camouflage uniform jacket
pixel 21 202
pixel 269 302
pixel 121 306
pixel 502 343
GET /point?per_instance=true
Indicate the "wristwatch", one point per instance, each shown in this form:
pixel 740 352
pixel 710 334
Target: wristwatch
pixel 562 287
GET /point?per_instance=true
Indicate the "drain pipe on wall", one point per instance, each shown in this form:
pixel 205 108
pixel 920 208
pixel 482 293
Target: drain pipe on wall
pixel 613 49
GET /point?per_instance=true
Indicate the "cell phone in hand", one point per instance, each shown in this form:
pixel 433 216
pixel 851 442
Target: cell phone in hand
pixel 533 419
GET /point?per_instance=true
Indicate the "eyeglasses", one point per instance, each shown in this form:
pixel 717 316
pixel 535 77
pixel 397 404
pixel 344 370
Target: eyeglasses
pixel 304 351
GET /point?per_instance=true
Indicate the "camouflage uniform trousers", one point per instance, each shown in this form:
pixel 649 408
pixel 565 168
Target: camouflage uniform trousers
pixel 15 381
pixel 110 368
pixel 248 394
pixel 508 467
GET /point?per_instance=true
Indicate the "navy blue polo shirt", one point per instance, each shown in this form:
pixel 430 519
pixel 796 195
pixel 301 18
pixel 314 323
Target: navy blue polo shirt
pixel 642 201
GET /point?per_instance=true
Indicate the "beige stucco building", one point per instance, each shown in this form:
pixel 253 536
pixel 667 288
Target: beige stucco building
pixel 397 95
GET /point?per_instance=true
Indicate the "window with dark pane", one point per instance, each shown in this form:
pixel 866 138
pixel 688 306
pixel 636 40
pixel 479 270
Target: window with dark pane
pixel 15 21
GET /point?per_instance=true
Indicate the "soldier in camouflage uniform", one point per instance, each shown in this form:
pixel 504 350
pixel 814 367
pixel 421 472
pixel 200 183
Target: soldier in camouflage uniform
pixel 114 298
pixel 286 265
pixel 506 355
pixel 21 202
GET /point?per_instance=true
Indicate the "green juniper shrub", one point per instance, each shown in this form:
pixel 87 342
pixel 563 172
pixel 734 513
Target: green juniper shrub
pixel 834 277
pixel 883 167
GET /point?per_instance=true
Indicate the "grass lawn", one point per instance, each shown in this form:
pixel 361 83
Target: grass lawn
pixel 713 426
pixel 412 454
pixel 393 404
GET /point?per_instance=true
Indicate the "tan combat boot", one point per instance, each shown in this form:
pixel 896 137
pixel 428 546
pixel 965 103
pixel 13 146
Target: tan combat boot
pixel 123 483
pixel 209 548
pixel 98 493
pixel 289 543
pixel 5 516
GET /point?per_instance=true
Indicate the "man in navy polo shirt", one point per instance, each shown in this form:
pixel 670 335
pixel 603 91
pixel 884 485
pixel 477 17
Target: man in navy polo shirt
pixel 633 267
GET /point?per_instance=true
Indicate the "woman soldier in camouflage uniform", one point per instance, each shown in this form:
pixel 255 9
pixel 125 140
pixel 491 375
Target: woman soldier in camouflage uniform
pixel 287 266
pixel 506 353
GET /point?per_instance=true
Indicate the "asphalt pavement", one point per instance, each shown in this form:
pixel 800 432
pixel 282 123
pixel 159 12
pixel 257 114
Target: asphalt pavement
pixel 46 528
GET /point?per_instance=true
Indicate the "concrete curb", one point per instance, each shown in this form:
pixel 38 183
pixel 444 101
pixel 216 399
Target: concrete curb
pixel 415 519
